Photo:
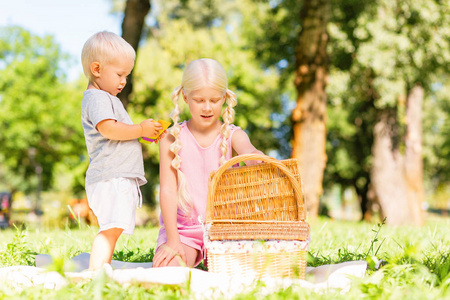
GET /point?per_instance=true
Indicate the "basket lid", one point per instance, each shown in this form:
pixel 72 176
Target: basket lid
pixel 266 191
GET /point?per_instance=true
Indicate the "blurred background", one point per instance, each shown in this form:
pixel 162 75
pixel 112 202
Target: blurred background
pixel 357 90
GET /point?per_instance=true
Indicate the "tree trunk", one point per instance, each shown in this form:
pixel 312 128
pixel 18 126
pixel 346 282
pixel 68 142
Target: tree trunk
pixel 397 178
pixel 132 25
pixel 413 154
pixel 309 116
pixel 387 173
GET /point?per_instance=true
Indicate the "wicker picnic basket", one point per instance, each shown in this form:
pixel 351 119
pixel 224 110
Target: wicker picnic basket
pixel 255 219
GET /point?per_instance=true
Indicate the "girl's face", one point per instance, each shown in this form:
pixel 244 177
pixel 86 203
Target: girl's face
pixel 205 105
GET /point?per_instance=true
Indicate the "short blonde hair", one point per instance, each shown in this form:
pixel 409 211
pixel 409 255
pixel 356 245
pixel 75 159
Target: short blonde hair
pixel 104 47
pixel 204 72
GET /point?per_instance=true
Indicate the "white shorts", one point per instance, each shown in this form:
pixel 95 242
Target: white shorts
pixel 114 203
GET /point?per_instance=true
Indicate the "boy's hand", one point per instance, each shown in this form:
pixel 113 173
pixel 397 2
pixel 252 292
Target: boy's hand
pixel 161 136
pixel 150 128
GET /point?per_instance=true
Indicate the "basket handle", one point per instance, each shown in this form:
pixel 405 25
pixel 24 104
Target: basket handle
pixel 237 159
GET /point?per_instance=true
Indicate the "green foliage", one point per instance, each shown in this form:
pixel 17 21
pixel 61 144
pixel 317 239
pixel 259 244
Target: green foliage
pixel 405 43
pixel 179 41
pixel 199 13
pixel 271 28
pixel 393 45
pixel 17 251
pixel 38 111
pixel 436 125
pixel 378 51
pixel 372 251
pixel 132 255
pixel 438 262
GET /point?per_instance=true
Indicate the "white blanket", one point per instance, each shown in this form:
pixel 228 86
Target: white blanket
pixel 202 283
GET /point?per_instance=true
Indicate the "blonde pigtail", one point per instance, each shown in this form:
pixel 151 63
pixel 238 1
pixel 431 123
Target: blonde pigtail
pixel 228 118
pixel 184 200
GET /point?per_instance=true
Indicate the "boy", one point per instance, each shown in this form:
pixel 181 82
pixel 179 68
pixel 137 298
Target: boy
pixel 116 168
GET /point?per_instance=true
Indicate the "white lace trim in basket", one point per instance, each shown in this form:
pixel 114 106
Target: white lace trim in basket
pixel 250 246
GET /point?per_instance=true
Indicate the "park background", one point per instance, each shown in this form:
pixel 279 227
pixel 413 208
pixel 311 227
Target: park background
pixel 357 90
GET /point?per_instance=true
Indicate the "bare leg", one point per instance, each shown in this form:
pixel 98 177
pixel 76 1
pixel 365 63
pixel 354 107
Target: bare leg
pixel 103 248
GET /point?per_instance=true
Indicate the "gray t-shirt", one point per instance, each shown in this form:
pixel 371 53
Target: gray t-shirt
pixel 109 158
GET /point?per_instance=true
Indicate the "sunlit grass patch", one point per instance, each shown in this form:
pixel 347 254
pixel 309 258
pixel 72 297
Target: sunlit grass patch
pixel 404 262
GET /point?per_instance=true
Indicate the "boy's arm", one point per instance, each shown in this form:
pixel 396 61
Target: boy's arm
pixel 241 143
pixel 113 130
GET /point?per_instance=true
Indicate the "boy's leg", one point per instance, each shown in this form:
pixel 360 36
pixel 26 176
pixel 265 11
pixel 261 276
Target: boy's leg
pixel 103 248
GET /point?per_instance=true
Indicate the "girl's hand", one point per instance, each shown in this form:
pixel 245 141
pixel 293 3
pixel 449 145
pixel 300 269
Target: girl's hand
pixel 167 252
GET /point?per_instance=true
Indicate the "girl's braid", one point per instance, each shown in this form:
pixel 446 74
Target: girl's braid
pixel 228 118
pixel 184 200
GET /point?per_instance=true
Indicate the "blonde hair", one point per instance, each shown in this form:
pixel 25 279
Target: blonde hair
pixel 104 47
pixel 200 73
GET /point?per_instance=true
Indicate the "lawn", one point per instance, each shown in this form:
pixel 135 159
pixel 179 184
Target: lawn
pixel 415 262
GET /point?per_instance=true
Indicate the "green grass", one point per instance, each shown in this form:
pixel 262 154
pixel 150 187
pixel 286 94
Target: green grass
pixel 416 261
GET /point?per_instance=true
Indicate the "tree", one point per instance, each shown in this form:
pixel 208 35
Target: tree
pixel 292 36
pixel 404 70
pixel 367 73
pixel 132 26
pixel 411 42
pixel 37 110
pixel 309 116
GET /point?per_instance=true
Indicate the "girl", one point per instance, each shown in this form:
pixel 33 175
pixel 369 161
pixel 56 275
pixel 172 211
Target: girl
pixel 188 154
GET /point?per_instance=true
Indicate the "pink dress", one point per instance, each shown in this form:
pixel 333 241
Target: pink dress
pixel 197 163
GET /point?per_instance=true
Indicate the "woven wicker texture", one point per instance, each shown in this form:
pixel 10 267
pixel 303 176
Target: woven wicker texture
pixel 263 201
pixel 260 202
pixel 259 230
pixel 282 264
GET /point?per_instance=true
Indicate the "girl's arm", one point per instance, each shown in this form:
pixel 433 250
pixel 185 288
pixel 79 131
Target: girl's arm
pixel 169 204
pixel 241 143
pixel 113 130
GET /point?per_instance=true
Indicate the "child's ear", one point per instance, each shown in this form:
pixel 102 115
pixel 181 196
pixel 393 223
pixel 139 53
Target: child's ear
pixel 184 96
pixel 95 68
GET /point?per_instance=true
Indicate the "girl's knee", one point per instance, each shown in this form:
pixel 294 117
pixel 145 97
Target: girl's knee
pixel 191 256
